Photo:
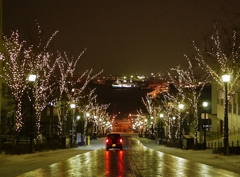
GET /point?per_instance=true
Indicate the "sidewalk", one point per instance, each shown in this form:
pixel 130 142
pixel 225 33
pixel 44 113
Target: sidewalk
pixel 230 163
pixel 52 154
pixel 15 165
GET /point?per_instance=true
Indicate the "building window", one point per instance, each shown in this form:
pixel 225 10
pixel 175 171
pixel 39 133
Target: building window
pixel 235 108
pixel 238 102
pixel 234 105
pixel 221 97
pixel 230 108
pixel 238 109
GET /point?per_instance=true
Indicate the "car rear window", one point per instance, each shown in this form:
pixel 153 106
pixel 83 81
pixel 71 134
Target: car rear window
pixel 113 136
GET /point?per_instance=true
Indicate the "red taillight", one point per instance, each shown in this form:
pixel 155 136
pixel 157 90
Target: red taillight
pixel 107 140
pixel 121 140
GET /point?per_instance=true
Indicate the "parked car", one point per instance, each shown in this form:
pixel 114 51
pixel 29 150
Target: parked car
pixel 114 140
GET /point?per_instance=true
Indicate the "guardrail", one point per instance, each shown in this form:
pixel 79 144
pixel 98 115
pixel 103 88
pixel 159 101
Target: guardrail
pixel 218 147
pixel 11 145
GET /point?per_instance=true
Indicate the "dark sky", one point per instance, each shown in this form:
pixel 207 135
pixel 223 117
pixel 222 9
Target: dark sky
pixel 121 36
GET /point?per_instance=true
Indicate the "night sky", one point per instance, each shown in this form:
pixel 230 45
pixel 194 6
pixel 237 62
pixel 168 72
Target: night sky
pixel 121 36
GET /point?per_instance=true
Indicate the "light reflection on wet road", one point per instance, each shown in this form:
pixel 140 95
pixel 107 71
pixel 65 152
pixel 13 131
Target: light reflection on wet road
pixel 134 161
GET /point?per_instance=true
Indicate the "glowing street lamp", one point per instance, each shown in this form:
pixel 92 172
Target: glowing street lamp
pixel 73 105
pixel 181 106
pixel 226 79
pixel 32 77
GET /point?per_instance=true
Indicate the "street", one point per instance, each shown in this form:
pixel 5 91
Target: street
pixel 134 161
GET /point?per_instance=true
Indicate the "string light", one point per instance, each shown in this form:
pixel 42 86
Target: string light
pixel 14 71
pixel 225 60
pixel 67 82
pixel 94 109
pixel 20 60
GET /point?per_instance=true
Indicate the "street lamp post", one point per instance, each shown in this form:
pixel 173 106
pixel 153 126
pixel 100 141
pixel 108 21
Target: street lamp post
pixel 161 129
pixel 87 115
pixel 103 129
pixel 205 104
pixel 31 78
pixel 145 131
pixel 51 123
pixel 152 131
pixel 73 111
pixel 226 79
pixel 173 126
pixel 180 106
pixel 95 127
pixel 78 126
pixel 78 135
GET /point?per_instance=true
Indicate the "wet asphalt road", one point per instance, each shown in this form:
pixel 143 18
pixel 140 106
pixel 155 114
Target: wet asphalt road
pixel 133 161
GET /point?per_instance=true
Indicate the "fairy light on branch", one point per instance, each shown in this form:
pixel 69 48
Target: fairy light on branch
pixel 14 71
pixel 148 102
pixel 40 64
pixel 226 60
pixel 195 82
pixel 66 68
pixel 177 79
pixel 68 82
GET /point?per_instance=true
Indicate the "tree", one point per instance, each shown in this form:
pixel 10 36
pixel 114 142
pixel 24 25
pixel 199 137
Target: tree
pixel 40 63
pixel 171 102
pixel 15 71
pixel 93 109
pixel 148 102
pixel 221 60
pixel 194 83
pixel 66 68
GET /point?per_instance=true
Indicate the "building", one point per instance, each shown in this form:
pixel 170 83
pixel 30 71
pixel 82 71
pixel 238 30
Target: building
pixel 217 115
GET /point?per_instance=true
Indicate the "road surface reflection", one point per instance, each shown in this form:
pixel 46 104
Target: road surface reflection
pixel 114 163
pixel 133 161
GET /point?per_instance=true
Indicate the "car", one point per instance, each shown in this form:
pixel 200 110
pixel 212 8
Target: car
pixel 114 140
